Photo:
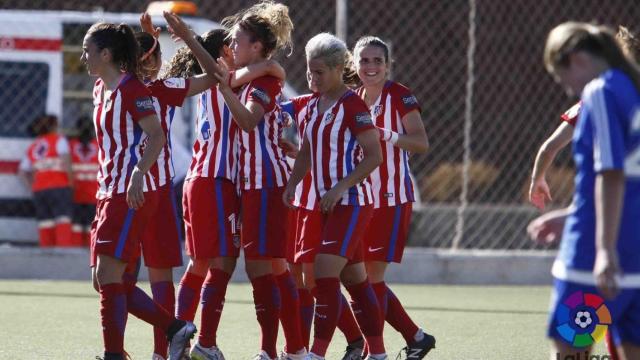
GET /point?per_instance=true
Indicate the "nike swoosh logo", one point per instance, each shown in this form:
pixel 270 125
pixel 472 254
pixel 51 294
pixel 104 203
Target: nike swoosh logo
pixel 375 249
pixel 103 241
pixel 247 245
pixel 328 242
pixel 304 252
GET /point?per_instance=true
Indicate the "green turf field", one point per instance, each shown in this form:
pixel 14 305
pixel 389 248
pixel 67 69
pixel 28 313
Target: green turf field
pixel 60 320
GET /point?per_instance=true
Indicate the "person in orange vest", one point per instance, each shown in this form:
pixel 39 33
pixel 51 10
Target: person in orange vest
pixel 84 165
pixel 47 170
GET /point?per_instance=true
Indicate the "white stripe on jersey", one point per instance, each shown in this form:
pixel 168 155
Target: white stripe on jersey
pixel 562 272
pixel 305 196
pixel 603 154
pixel 210 158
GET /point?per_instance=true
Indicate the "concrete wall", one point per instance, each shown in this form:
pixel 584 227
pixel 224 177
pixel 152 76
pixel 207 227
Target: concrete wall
pixel 419 266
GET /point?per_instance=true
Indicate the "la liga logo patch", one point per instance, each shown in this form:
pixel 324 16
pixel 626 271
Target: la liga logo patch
pixel 583 319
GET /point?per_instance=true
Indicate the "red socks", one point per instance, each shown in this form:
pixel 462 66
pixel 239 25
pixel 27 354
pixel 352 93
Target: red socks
pixel 143 307
pixel 266 298
pixel 188 296
pixel 328 307
pixel 306 315
pixel 290 319
pixel 396 315
pixel 113 314
pixel 347 322
pixel 164 295
pixel 212 299
pixel 368 314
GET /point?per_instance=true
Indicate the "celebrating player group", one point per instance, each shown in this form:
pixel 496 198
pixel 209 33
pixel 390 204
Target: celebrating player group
pixel 340 214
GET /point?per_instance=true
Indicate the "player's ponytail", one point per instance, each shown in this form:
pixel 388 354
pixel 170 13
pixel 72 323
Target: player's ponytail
pixel 629 42
pixel 570 37
pixel 350 74
pixel 267 22
pixel 120 41
pixel 184 64
pixel 150 52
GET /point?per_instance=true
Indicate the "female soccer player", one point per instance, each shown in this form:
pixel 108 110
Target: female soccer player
pixel 306 228
pixel 210 193
pixel 84 165
pixel 124 112
pixel 341 148
pixel 46 169
pixel 539 191
pixel 396 114
pixel 161 240
pixel 600 245
pixel 256 33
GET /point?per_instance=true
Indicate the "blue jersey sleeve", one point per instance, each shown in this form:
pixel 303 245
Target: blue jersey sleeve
pixel 607 126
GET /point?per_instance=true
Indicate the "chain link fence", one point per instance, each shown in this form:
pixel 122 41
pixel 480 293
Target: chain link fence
pixel 475 66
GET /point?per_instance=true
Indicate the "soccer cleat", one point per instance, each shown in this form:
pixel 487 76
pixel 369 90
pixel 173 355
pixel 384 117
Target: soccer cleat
pixel 179 340
pixel 301 355
pixel 262 356
pixel 199 352
pixel 157 357
pixel 354 350
pixel 419 349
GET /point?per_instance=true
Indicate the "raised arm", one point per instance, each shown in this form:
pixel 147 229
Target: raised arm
pixel 246 116
pixel 202 82
pixel 254 71
pixel 539 191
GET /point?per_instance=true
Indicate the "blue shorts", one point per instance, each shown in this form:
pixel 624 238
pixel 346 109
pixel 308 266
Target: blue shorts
pixel 580 317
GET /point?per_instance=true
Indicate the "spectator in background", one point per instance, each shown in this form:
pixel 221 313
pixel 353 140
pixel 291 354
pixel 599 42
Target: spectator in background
pixel 84 165
pixel 46 169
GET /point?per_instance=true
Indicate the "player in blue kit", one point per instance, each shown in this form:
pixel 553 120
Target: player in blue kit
pixel 600 250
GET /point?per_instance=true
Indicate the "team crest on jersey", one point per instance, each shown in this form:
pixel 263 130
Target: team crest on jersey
pixel 409 100
pixel 107 104
pixel 174 83
pixel 363 118
pixel 144 104
pixel 260 94
pixel 40 149
pixel 205 130
pixel 328 118
pixel 377 110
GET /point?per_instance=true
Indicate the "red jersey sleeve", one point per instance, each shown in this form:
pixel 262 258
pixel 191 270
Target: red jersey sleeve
pixel 404 100
pixel 356 115
pixel 138 100
pixel 571 116
pixel 171 91
pixel 264 91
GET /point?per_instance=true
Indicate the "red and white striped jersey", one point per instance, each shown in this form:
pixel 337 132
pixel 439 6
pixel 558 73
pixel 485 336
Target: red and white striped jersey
pixel 262 163
pixel 84 164
pixel 166 94
pixel 335 151
pixel 391 181
pixel 571 115
pixel 305 192
pixel 215 150
pixel 115 117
